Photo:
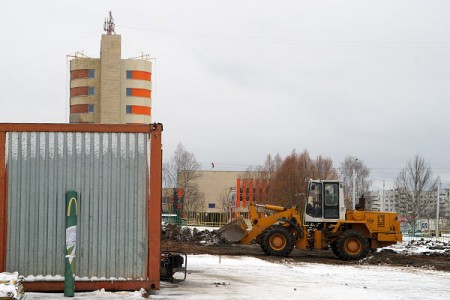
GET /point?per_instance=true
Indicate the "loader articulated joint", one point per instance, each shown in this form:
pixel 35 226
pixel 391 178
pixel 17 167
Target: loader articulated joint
pixel 294 225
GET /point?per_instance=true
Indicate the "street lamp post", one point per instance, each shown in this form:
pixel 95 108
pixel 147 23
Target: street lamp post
pixel 437 208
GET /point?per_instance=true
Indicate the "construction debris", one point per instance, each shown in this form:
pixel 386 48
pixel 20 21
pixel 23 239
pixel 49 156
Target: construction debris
pixel 186 234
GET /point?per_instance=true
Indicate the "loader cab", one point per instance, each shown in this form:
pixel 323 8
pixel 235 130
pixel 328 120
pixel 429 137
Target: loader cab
pixel 324 201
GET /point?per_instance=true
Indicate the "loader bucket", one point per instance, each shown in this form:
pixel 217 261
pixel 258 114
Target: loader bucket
pixel 234 231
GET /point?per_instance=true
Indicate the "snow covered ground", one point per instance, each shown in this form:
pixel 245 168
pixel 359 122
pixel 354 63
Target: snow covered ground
pixel 225 277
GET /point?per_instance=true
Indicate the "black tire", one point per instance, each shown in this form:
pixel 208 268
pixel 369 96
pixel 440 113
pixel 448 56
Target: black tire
pixel 277 241
pixel 352 245
pixel 334 249
pixel 262 238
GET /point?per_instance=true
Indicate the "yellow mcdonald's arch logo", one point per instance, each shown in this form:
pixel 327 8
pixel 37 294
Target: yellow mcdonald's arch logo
pixel 70 205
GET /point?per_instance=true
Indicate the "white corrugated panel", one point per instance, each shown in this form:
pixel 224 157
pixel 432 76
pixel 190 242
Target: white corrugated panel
pixel 110 173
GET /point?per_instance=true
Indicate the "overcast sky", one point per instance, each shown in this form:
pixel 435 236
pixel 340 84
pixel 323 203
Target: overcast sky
pixel 236 80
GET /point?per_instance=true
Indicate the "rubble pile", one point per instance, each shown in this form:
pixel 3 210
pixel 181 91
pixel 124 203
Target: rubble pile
pixel 428 247
pixel 186 234
pixel 11 286
pixel 420 247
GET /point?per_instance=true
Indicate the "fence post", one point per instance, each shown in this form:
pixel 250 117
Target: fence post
pixel 71 239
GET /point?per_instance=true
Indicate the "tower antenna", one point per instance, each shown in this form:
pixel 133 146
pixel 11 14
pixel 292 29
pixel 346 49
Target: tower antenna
pixel 109 25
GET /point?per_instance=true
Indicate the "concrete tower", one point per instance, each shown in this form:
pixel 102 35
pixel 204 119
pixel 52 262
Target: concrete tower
pixel 110 90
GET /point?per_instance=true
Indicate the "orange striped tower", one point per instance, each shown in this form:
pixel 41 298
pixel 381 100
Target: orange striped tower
pixel 110 90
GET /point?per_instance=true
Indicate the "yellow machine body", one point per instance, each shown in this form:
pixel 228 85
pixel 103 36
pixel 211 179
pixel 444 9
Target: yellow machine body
pixel 349 233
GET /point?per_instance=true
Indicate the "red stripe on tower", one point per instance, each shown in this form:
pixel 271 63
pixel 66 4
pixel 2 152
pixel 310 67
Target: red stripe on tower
pixel 141 110
pixel 141 75
pixel 79 91
pixel 79 108
pixel 141 93
pixel 76 74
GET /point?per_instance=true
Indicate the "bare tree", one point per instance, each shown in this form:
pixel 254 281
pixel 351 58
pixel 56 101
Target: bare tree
pixel 272 164
pixel 288 184
pixel 225 198
pixel 350 165
pixel 283 182
pixel 413 183
pixel 254 172
pixel 181 172
pixel 323 168
pixel 289 178
pixel 263 174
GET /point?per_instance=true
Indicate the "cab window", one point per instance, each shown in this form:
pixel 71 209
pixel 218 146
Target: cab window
pixel 331 203
pixel 314 204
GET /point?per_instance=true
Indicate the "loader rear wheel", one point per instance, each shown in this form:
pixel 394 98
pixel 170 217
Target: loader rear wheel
pixel 277 241
pixel 352 245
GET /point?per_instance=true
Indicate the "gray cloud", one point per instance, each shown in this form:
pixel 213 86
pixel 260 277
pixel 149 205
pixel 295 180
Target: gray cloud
pixel 237 80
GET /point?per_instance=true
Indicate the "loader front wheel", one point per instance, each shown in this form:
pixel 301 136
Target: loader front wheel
pixel 352 245
pixel 334 249
pixel 277 241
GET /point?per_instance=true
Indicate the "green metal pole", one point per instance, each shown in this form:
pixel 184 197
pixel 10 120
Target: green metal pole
pixel 71 239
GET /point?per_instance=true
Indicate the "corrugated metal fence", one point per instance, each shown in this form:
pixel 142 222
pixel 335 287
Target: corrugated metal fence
pixel 116 170
pixel 110 173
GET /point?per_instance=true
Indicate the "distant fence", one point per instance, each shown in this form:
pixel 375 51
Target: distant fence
pixel 206 219
pixel 201 219
pixel 443 237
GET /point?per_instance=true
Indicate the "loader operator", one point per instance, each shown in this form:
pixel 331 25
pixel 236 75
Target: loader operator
pixel 314 207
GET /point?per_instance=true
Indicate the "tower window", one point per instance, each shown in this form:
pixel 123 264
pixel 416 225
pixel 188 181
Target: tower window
pixel 91 73
pixel 129 74
pixel 91 91
pixel 91 108
pixel 129 91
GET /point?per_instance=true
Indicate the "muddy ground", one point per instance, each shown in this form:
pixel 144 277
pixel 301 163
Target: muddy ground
pixel 205 242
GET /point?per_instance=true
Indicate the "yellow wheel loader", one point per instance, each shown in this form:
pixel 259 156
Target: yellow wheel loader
pixel 325 223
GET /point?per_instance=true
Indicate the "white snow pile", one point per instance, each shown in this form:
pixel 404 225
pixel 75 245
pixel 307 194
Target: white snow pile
pixel 419 247
pixel 11 286
pixel 96 295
